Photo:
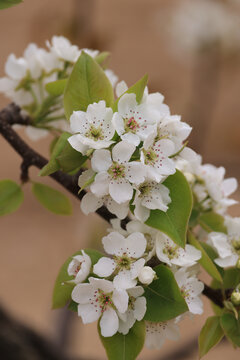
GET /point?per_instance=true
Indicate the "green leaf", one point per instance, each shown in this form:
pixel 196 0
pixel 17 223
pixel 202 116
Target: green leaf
pixel 210 335
pixel 87 84
pixel 211 221
pixel 164 299
pixel 4 4
pixel 206 262
pixel 174 222
pixel 137 89
pixel 125 347
pixel 57 87
pixel 11 197
pixel 52 199
pixel 53 165
pixel 70 159
pixel 102 57
pixel 62 291
pixel 231 278
pixel 231 328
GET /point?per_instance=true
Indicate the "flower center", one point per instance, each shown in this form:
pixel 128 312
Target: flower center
pixel 144 189
pixel 184 292
pixel 117 171
pixel 171 251
pixel 103 299
pixel 95 133
pixel 78 268
pixel 150 156
pixel 123 262
pixel 131 125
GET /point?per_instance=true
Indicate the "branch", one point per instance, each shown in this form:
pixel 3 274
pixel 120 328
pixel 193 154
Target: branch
pixel 11 115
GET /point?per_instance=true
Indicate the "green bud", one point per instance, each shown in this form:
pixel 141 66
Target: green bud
pixel 235 298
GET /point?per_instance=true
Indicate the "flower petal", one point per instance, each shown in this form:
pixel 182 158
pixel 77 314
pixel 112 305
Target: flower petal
pixel 104 267
pixel 89 312
pixel 101 160
pixel 109 323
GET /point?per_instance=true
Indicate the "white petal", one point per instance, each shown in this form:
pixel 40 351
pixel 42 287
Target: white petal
pixel 90 203
pixel 120 300
pixel 120 190
pixel 104 267
pixel 113 243
pixel 135 244
pixel 123 280
pixel 105 285
pixel 131 138
pixel 118 123
pixel 121 88
pixel 109 323
pixel 140 307
pixel 89 313
pixel 229 186
pixel 123 151
pixel 120 210
pixel 126 103
pixel 76 144
pixel 82 293
pixel 101 160
pixel 100 186
pixel 136 267
pixel 227 261
pixel 78 122
pixel 135 172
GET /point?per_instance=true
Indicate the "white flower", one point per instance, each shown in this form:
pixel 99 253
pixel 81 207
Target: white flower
pixel 80 267
pixel 146 275
pixel 15 68
pixel 155 156
pixel 170 253
pixel 190 288
pixel 115 174
pixel 137 307
pixel 112 77
pixel 157 333
pixel 227 245
pixel 94 128
pixel 134 122
pixel 63 49
pixel 100 299
pixel 126 262
pixel 150 196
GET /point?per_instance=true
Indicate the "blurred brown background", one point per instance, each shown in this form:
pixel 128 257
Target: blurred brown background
pixel 204 88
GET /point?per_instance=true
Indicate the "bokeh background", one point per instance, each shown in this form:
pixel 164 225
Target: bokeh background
pixel 192 56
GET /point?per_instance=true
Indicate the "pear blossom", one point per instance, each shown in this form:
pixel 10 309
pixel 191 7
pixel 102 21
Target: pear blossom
pixel 158 332
pixel 80 267
pixel 227 245
pixel 191 288
pixel 171 254
pixel 155 158
pixel 127 259
pixel 150 196
pixel 115 173
pixel 93 129
pixel 137 307
pixel 134 122
pixel 100 299
pixel 63 48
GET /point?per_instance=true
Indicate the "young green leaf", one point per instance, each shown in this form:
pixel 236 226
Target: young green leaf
pixel 53 165
pixel 231 328
pixel 211 221
pixel 11 197
pixel 125 347
pixel 87 84
pixel 62 290
pixel 231 278
pixel 210 335
pixel 4 4
pixel 102 57
pixel 70 159
pixel 164 299
pixel 174 222
pixel 52 199
pixel 57 87
pixel 206 262
pixel 137 89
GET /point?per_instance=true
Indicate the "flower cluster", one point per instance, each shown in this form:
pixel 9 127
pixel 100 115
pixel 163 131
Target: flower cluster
pixel 27 76
pixel 131 153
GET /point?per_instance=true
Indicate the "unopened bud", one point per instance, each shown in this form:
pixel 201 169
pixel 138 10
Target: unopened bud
pixel 190 177
pixel 146 275
pixel 235 298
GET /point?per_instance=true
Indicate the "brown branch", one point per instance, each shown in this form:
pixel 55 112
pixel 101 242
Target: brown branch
pixel 11 115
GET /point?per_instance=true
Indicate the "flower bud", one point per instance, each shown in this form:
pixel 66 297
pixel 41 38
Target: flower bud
pixel 235 298
pixel 146 275
pixel 190 177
